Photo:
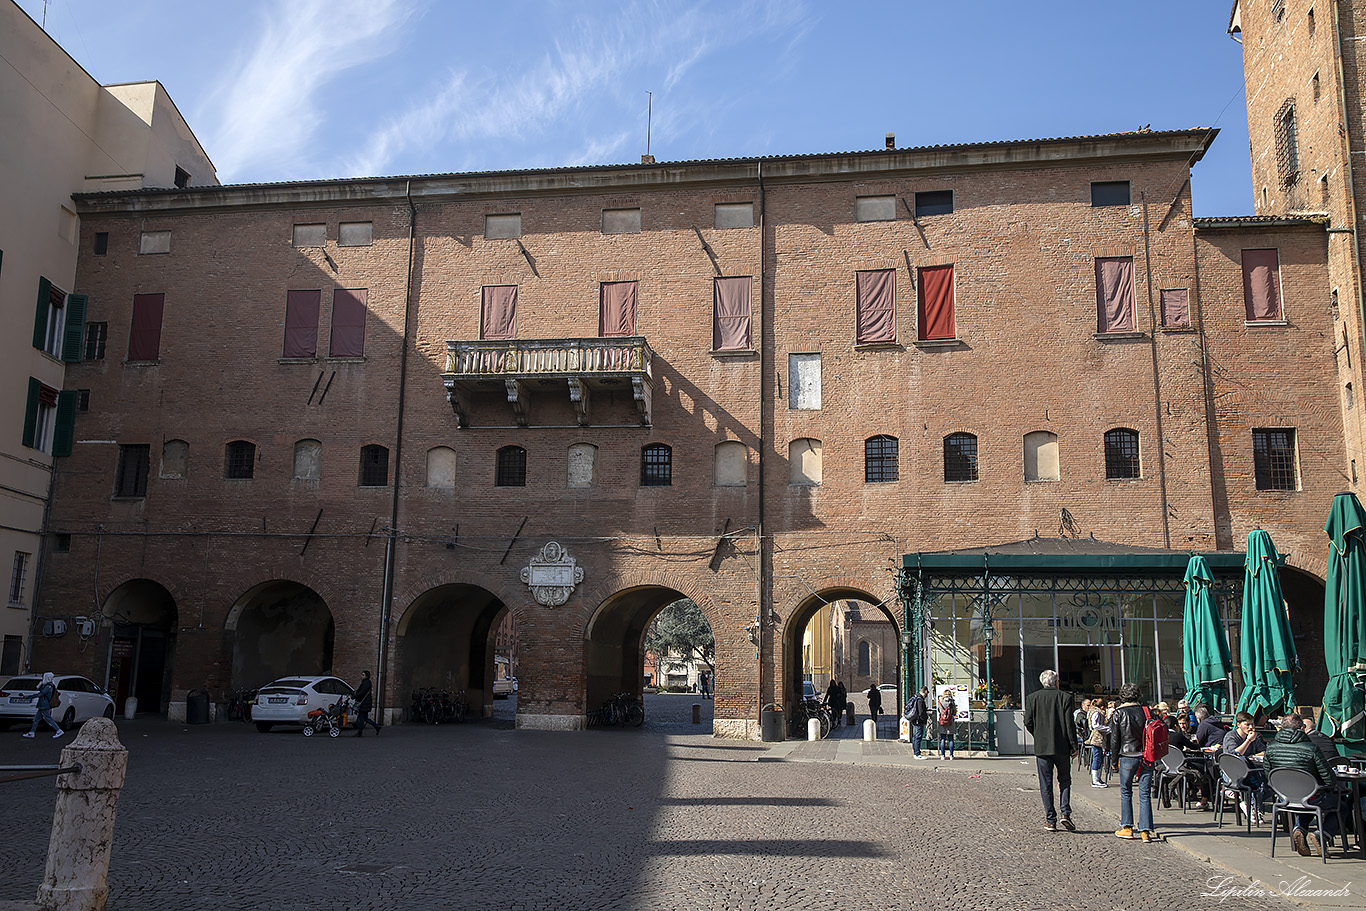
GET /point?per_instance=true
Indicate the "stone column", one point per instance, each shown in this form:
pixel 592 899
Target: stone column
pixel 83 821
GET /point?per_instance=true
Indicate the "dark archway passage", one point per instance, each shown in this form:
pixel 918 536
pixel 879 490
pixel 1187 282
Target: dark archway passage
pixel 142 617
pixel 280 628
pixel 447 640
pixel 843 634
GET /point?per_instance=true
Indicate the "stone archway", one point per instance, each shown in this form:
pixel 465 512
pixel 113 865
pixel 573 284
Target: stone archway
pixel 280 627
pixel 1303 593
pixel 142 620
pixel 447 639
pixel 882 641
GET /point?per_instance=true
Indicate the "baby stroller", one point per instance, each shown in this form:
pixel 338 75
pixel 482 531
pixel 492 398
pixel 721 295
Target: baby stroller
pixel 332 719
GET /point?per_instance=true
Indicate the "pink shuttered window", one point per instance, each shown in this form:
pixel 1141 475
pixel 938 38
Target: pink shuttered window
pixel 301 323
pixel 498 316
pixel 144 337
pixel 731 315
pixel 1262 284
pixel 1176 310
pixel 348 323
pixel 1115 294
pixel 617 315
pixel 876 306
pixel 935 302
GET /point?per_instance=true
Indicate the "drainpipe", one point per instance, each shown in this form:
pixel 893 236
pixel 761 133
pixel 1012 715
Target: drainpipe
pixel 391 542
pixel 1157 378
pixel 1207 390
pixel 1351 179
pixel 764 550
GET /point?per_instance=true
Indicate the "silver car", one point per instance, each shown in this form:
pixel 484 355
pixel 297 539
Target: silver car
pixel 290 699
pixel 81 700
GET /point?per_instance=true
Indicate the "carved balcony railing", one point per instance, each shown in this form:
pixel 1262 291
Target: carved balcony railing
pixel 582 365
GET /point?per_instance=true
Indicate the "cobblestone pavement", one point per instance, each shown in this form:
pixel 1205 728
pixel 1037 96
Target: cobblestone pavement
pixel 482 816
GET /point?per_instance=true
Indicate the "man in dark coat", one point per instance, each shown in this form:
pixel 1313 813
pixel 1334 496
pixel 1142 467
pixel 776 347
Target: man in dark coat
pixel 874 701
pixel 365 701
pixel 1048 716
pixel 1291 748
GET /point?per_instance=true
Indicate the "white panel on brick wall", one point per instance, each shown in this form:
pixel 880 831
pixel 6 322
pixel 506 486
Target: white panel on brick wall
pixel 441 467
pixel 310 235
pixel 804 381
pixel 804 461
pixel 175 457
pixel 308 460
pixel 583 465
pixel 1041 456
pixel 620 221
pixel 155 242
pixel 355 233
pixel 875 208
pixel 507 225
pixel 732 463
pixel 734 215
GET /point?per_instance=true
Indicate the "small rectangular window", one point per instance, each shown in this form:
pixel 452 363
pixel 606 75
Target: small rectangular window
pixel 1109 193
pixel 82 401
pixel 875 293
pixel 503 226
pixel 617 309
pixel 1273 459
pixel 356 234
pixel 804 381
pixel 154 242
pixel 374 466
pixel 498 312
pixel 935 303
pixel 621 221
pixel 1115 294
pixel 144 337
pixel 933 202
pixel 130 478
pixel 733 215
pixel 17 578
pixel 730 329
pixel 50 321
pixel 61 543
pixel 301 323
pixel 40 416
pixel 182 177
pixel 348 323
pixel 310 235
pixel 101 243
pixel 1262 285
pixel 96 334
pixel 1176 311
pixel 875 208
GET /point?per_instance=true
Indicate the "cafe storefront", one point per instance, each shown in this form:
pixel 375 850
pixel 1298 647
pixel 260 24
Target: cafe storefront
pixel 985 622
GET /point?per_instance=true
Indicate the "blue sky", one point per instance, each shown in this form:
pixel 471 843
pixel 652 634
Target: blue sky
pixel 304 89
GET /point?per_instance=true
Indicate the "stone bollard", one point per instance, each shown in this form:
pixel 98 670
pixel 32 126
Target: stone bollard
pixel 83 821
pixel 870 730
pixel 813 729
pixel 697 713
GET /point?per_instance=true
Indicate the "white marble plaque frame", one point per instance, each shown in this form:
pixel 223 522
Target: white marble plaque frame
pixel 552 575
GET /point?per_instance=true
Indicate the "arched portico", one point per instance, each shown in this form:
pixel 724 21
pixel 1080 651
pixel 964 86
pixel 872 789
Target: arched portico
pixel 843 655
pixel 142 619
pixel 279 627
pixel 446 640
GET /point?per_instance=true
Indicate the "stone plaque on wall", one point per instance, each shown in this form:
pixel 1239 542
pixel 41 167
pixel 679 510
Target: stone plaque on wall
pixel 552 575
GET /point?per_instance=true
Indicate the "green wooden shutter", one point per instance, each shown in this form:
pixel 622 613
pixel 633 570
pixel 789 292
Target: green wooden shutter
pixel 40 317
pixel 31 412
pixel 74 336
pixel 65 432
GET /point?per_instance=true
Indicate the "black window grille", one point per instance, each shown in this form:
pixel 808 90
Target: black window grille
pixel 1121 454
pixel 131 477
pixel 1110 193
pixel 239 460
pixel 511 467
pixel 374 466
pixel 101 243
pixel 82 401
pixel 1287 146
pixel 182 177
pixel 960 457
pixel 934 202
pixel 879 459
pixel 1273 459
pixel 656 466
pixel 95 336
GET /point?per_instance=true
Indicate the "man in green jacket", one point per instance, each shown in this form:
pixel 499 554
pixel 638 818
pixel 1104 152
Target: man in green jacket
pixel 1291 748
pixel 1048 716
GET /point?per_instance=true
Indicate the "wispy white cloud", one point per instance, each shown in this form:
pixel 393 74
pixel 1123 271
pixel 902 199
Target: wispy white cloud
pixel 267 109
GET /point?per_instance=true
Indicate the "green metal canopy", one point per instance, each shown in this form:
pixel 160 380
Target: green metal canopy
pixel 1344 622
pixel 1265 649
pixel 1204 641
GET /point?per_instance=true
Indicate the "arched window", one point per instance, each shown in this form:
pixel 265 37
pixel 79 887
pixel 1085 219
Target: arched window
pixel 374 466
pixel 511 470
pixel 239 460
pixel 960 457
pixel 730 466
pixel 865 658
pixel 656 466
pixel 175 458
pixel 308 460
pixel 441 467
pixel 1041 456
pixel 1121 454
pixel 583 465
pixel 804 461
pixel 879 459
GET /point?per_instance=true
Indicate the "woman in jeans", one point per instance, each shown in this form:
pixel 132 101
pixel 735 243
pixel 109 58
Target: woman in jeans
pixel 1126 750
pixel 947 708
pixel 1098 723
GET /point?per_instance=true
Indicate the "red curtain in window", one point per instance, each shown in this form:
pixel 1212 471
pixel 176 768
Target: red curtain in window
pixel 144 338
pixel 731 316
pixel 617 315
pixel 936 302
pixel 1176 311
pixel 498 316
pixel 348 323
pixel 301 323
pixel 1115 294
pixel 1262 284
pixel 876 306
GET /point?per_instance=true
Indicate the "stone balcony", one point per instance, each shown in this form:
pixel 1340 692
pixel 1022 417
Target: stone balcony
pixel 578 366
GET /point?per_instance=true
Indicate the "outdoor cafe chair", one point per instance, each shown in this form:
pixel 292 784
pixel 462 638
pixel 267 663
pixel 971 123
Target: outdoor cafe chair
pixel 1295 790
pixel 1170 772
pixel 1235 773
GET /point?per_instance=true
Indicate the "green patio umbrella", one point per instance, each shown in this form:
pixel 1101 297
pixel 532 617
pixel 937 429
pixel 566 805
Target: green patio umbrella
pixel 1344 621
pixel 1265 649
pixel 1204 641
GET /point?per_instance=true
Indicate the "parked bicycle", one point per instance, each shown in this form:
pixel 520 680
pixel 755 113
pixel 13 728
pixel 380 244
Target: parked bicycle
pixel 433 706
pixel 804 711
pixel 240 702
pixel 621 709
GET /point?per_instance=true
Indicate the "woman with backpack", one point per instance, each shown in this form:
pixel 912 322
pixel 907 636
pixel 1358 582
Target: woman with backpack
pixel 47 697
pixel 948 711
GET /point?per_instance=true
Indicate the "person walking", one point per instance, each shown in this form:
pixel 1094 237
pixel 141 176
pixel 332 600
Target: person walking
pixel 365 701
pixel 704 685
pixel 1048 716
pixel 918 714
pixel 874 702
pixel 947 715
pixel 843 698
pixel 1126 750
pixel 47 695
pixel 1096 740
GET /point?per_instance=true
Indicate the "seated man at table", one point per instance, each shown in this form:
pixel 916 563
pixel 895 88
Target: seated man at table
pixel 1243 741
pixel 1292 749
pixel 1207 732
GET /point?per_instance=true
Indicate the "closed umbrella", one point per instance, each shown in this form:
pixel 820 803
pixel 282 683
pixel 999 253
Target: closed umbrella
pixel 1204 641
pixel 1265 649
pixel 1344 620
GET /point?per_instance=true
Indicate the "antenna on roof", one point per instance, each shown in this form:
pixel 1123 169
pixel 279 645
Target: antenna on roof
pixel 647 158
pixel 44 15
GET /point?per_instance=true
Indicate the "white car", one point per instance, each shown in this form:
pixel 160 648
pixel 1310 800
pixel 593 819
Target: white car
pixel 505 687
pixel 290 699
pixel 888 691
pixel 81 700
